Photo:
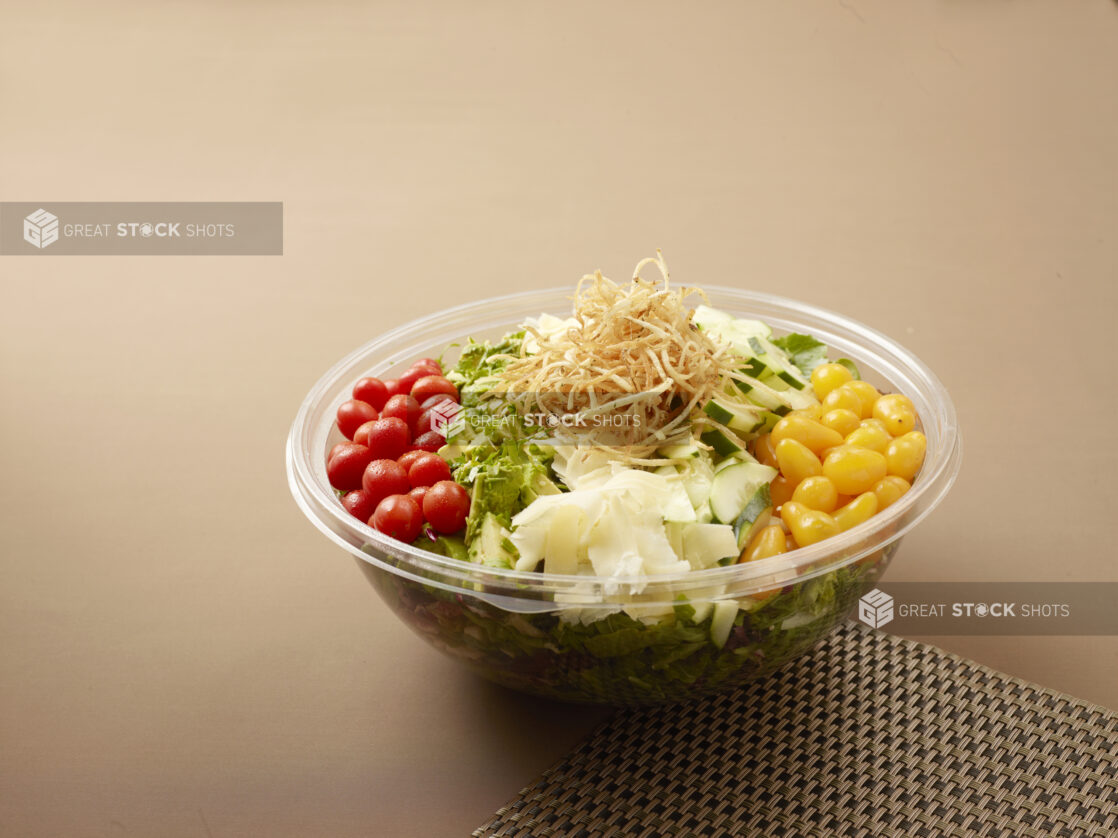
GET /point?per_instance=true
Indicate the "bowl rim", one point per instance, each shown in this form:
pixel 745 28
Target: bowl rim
pixel 318 501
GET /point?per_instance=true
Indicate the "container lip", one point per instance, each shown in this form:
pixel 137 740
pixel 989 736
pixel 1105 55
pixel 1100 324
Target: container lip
pixel 317 500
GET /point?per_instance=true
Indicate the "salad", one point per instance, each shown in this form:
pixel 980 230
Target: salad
pixel 644 436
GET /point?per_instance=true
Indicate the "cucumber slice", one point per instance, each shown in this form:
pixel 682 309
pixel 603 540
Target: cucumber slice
pixel 792 380
pixel 850 365
pixel 717 412
pixel 733 487
pixel 722 444
pixel 727 326
pixel 703 608
pixel 696 475
pixel 776 359
pixel 771 418
pixel 735 418
pixel 683 451
pixel 754 517
pixel 779 400
pixel 755 367
pixel 710 319
pixel 722 620
pixel 733 460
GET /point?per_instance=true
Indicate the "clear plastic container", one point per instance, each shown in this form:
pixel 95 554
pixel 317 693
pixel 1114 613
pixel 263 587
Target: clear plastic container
pixel 583 639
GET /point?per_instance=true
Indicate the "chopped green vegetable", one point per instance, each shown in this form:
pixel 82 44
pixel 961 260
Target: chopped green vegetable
pixel 479 363
pixel 850 365
pixel 806 352
pixel 617 658
pixel 505 478
pixel 451 546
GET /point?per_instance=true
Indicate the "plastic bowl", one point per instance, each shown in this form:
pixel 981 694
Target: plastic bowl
pixel 624 641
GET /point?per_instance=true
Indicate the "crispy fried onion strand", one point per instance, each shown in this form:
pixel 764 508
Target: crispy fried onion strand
pixel 634 348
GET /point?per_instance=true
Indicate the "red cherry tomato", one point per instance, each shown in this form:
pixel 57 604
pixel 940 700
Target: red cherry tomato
pixel 359 504
pixel 421 368
pixel 335 450
pixel 348 465
pixel 383 478
pixel 433 385
pixel 388 438
pixel 402 407
pixel 428 470
pixel 361 435
pixel 392 387
pixel 398 516
pixel 423 423
pixel 408 379
pixel 445 506
pixel 417 494
pixel 408 457
pixel 353 414
pixel 428 403
pixel 430 441
pixel 371 391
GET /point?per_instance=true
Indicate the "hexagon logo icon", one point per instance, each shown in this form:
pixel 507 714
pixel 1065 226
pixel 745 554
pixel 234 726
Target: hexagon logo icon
pixel 40 228
pixel 443 415
pixel 875 609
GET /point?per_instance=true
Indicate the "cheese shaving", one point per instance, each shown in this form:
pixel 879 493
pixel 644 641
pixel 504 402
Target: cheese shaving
pixel 630 348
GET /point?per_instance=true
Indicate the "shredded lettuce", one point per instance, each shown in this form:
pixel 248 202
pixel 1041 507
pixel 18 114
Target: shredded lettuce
pixel 503 479
pixel 479 362
pixel 620 659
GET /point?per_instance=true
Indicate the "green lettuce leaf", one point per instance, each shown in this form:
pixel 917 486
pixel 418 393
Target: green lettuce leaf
pixel 805 351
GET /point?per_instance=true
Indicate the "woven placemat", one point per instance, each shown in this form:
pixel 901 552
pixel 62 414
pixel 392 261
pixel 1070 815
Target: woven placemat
pixel 868 735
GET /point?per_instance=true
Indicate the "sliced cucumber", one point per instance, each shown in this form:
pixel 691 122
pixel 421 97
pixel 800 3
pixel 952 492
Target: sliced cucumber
pixel 771 418
pixel 765 394
pixel 778 363
pixel 755 367
pixel 710 319
pixel 754 517
pixel 727 326
pixel 722 620
pixel 697 475
pixel 722 444
pixel 717 412
pixel 850 365
pixel 682 451
pixel 702 607
pixel 791 379
pixel 742 420
pixel 490 547
pixel 733 460
pixel 733 488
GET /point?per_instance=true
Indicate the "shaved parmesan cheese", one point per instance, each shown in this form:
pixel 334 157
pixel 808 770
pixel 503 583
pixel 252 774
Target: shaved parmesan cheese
pixel 613 525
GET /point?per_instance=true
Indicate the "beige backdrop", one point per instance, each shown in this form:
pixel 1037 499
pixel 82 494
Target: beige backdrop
pixel 181 654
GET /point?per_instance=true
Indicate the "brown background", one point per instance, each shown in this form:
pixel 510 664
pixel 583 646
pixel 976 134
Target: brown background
pixel 181 654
